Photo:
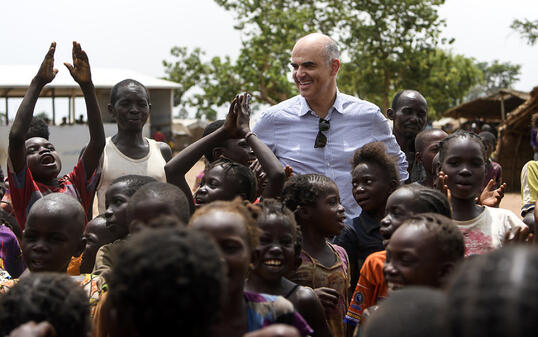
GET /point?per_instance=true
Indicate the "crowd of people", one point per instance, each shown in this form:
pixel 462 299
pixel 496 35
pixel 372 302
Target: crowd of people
pixel 320 221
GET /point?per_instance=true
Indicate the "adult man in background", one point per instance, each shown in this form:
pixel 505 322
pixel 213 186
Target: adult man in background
pixel 318 130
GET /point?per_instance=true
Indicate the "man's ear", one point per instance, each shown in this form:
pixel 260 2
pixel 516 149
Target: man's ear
pixel 390 114
pixel 418 157
pixel 335 65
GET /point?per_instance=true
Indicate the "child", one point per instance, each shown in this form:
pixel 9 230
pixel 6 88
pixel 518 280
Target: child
pixel 423 251
pixel 408 113
pixel 494 295
pixel 426 147
pixel 493 169
pixel 236 150
pixel 375 177
pixel 50 297
pixel 156 200
pixel 277 256
pixel 34 164
pixel 463 162
pixel 96 235
pixel 403 203
pixel 410 312
pixel 236 126
pixel 167 281
pixel 232 225
pixel 10 250
pixel 128 152
pixel 315 200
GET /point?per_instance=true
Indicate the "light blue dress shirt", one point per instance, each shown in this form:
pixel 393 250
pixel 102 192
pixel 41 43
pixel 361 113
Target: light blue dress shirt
pixel 290 129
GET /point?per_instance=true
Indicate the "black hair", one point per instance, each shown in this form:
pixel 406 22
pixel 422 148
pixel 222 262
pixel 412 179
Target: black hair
pixel 447 236
pixel 38 128
pixel 428 200
pixel 61 203
pixel 9 221
pixel 375 153
pixel 166 280
pixel 419 140
pixel 209 129
pixel 51 297
pixel 274 207
pixel 305 189
pixel 396 99
pixel 124 83
pixel 166 192
pixel 443 145
pixel 495 294
pixel 134 182
pixel 487 136
pixel 409 312
pixel 244 178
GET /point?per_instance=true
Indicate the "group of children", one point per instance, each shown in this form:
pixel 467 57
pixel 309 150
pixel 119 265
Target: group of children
pixel 254 249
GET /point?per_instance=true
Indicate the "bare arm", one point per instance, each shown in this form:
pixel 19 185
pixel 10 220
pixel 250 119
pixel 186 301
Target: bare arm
pixel 268 161
pixel 309 306
pixel 17 134
pixel 80 71
pixel 178 166
pixel 166 151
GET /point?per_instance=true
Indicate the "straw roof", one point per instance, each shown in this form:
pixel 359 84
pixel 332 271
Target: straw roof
pixel 489 108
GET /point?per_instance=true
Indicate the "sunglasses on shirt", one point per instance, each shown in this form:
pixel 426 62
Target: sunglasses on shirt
pixel 321 139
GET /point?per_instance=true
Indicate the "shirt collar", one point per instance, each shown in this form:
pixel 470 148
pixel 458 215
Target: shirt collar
pixel 338 104
pixel 369 224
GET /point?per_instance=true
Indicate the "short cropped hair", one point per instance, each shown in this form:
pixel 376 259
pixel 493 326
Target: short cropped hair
pixel 305 189
pixel 60 203
pixel 443 148
pixel 209 129
pixel 169 279
pixel 331 51
pixel 376 153
pixel 124 83
pixel 274 207
pixel 245 180
pixel 134 182
pixel 51 297
pixel 38 128
pixel 446 234
pixel 169 193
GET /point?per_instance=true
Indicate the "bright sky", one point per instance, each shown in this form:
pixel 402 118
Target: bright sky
pixel 138 35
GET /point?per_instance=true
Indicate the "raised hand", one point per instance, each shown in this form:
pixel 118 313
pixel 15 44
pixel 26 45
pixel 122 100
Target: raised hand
pixel 80 69
pixel 231 119
pixel 46 72
pixel 491 196
pixel 243 113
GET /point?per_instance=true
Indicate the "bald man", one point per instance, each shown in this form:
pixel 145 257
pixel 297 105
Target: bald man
pixel 318 130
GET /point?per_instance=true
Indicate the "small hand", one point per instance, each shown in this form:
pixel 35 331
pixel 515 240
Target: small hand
pixel 518 235
pixel 46 72
pixel 443 184
pixel 328 297
pixel 288 171
pixel 243 113
pixel 490 196
pixel 31 329
pixel 231 120
pixel 261 176
pixel 80 69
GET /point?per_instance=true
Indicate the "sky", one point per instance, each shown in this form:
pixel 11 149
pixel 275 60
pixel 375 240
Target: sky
pixel 139 35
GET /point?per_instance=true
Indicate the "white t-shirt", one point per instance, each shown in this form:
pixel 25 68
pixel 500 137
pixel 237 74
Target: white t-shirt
pixel 486 232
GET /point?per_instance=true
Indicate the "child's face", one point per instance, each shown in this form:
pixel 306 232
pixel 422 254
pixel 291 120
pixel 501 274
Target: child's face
pixel 215 185
pixel 431 148
pixel 230 232
pixel 464 164
pixel 412 258
pixel 327 213
pixel 400 205
pixel 131 110
pixel 370 187
pixel 49 241
pixel 43 160
pixel 239 151
pixel 96 235
pixel 146 211
pixel 490 147
pixel 410 116
pixel 116 209
pixel 275 255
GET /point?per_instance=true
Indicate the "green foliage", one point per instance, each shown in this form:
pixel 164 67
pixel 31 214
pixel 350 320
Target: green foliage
pixel 387 45
pixel 527 29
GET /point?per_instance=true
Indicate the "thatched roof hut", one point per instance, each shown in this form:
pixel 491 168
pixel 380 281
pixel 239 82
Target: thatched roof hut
pixel 492 108
pixel 513 141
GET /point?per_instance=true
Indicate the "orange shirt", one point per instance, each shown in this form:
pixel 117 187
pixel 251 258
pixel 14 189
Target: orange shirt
pixel 370 288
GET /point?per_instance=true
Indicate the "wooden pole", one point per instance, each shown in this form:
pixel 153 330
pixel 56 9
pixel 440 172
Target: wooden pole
pixel 69 110
pixel 53 107
pixel 7 111
pixel 502 107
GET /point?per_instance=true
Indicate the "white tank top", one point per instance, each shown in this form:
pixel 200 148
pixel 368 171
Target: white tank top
pixel 116 164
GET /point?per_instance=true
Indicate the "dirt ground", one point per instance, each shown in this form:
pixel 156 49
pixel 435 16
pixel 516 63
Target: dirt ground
pixel 511 201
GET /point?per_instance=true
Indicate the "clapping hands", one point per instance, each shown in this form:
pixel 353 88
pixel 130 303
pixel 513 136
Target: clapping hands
pixel 79 70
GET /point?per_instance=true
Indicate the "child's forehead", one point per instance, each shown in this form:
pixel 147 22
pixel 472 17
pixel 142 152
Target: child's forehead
pixel 366 167
pixel 36 141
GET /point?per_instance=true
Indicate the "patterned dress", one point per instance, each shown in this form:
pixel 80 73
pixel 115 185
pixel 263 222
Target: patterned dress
pixel 313 274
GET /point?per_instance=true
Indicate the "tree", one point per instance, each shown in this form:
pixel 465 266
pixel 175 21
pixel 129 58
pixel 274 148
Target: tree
pixel 495 75
pixel 527 29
